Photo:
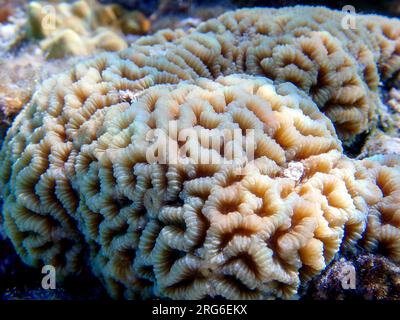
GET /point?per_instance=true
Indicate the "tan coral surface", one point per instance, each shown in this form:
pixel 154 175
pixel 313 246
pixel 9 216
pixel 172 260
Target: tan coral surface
pixel 86 166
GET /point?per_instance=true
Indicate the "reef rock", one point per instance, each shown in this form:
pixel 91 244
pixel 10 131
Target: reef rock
pixel 89 165
pixel 375 278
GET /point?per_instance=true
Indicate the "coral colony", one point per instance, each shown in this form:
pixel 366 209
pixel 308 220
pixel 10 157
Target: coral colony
pixel 79 29
pixel 248 196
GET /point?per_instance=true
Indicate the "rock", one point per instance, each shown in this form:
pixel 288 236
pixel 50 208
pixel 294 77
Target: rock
pixel 379 142
pixel 376 278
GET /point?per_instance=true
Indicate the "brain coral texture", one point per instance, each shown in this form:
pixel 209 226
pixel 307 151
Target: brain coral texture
pixel 83 27
pixel 77 182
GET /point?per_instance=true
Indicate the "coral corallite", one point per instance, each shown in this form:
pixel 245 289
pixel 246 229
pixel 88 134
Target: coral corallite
pixel 79 188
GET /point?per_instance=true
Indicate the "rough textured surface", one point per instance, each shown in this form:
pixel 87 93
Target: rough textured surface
pixel 75 176
pixel 391 114
pixel 19 282
pixel 380 143
pixel 338 68
pixel 381 176
pixel 21 75
pixel 82 28
pixel 190 19
pixel 376 278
